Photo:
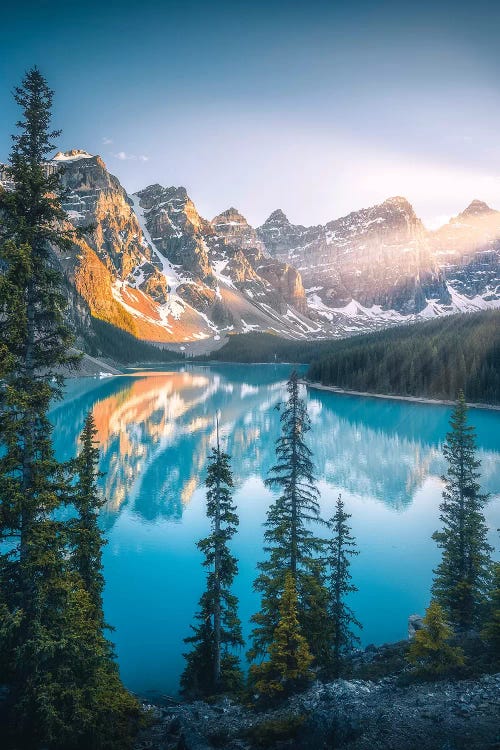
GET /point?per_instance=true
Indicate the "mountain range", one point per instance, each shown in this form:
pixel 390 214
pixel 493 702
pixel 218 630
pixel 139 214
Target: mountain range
pixel 151 265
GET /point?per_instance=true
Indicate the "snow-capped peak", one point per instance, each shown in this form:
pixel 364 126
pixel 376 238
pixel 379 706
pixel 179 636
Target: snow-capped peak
pixel 73 155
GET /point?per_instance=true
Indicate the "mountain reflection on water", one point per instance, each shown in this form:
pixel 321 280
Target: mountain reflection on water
pixel 155 430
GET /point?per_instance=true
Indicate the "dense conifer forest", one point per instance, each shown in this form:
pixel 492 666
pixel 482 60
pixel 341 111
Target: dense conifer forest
pixel 436 359
pixel 105 340
pixel 267 347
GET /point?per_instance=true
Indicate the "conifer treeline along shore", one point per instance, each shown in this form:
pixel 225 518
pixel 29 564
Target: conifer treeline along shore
pixel 61 688
pixel 435 358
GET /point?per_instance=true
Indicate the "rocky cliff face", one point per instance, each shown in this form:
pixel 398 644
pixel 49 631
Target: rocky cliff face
pixel 382 263
pixel 177 229
pixel 378 256
pixel 152 265
pixel 231 230
pixel 93 197
pixel 467 250
pixel 218 267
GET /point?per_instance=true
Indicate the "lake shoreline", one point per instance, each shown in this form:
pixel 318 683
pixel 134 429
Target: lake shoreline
pixel 393 397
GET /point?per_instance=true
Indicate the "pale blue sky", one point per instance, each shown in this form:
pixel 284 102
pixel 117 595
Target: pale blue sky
pixel 315 107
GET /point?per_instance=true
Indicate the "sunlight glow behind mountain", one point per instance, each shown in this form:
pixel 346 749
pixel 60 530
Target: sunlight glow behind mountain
pixel 318 108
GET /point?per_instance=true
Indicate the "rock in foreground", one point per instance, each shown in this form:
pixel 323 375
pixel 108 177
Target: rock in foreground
pixel 354 714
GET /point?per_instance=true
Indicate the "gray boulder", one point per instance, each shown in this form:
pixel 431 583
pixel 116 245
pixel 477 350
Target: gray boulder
pixel 415 622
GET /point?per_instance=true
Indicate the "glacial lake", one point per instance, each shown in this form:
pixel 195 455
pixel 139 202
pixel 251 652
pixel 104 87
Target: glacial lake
pixel 155 430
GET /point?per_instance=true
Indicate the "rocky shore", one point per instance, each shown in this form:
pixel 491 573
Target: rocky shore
pixel 351 714
pixel 393 397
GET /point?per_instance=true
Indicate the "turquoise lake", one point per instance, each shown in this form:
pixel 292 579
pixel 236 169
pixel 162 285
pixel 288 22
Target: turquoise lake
pixel 155 431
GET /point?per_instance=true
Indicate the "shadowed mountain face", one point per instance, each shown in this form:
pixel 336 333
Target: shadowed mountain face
pixel 153 266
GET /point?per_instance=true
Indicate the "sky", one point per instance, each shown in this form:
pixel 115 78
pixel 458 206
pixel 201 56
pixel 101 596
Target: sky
pixel 316 107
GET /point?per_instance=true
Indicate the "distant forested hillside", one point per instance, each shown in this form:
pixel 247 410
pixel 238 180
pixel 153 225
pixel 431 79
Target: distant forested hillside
pixel 436 359
pixel 108 341
pixel 266 347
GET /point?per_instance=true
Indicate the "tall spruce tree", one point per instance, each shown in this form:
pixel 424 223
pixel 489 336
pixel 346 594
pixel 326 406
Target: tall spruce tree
pixel 50 641
pixel 33 333
pixel 86 536
pixel 211 666
pixel 462 578
pixel 341 547
pixel 290 541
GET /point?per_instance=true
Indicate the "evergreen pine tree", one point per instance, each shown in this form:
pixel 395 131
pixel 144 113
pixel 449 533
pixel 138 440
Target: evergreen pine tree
pixel 211 666
pixel 110 714
pixel 50 643
pixel 86 537
pixel 289 658
pixel 33 333
pixel 430 651
pixel 491 629
pixel 290 542
pixel 462 578
pixel 341 547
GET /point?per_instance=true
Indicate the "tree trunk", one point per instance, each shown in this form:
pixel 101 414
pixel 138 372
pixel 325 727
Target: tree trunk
pixel 217 597
pixel 293 551
pixel 26 510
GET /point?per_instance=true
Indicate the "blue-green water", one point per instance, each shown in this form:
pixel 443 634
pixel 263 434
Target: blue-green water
pixel 155 431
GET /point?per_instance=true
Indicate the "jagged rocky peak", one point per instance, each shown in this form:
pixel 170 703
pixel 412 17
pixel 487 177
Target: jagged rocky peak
pixel 284 240
pixel 171 207
pixel 477 208
pixel 232 230
pixel 84 173
pixel 395 210
pixel 231 217
pixel 277 217
pixel 154 194
pixel 177 229
pixel 468 250
pixel 92 197
pixel 392 223
pixel 400 203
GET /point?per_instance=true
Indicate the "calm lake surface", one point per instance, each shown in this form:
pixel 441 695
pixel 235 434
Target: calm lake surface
pixel 156 429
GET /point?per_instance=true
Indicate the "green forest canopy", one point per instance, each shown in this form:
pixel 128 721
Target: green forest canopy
pixel 435 358
pixel 105 340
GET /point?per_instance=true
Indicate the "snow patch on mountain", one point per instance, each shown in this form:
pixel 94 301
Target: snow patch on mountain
pixel 74 155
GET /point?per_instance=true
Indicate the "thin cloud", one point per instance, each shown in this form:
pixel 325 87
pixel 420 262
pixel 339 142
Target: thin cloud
pixel 124 156
pixel 107 141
